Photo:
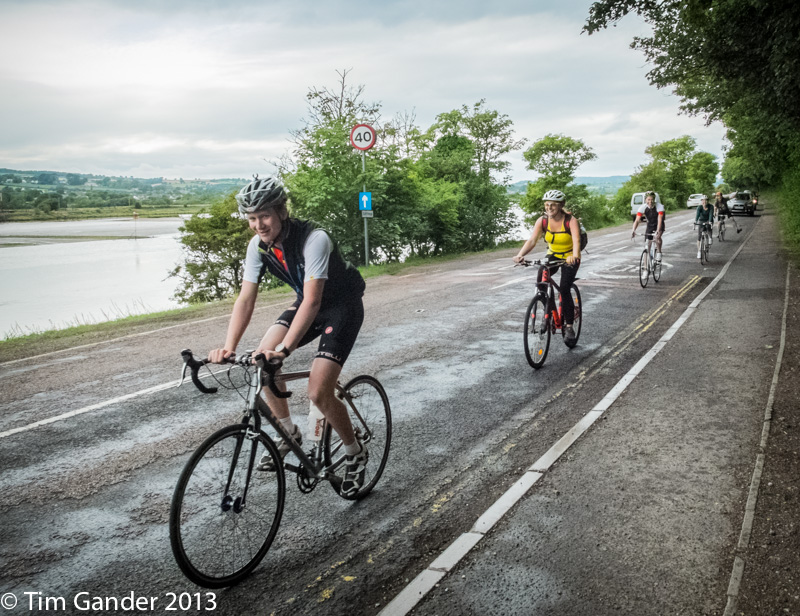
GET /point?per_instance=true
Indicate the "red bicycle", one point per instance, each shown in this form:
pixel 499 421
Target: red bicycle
pixel 544 317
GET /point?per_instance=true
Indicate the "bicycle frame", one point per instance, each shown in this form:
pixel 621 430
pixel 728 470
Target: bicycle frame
pixel 554 308
pixel 310 464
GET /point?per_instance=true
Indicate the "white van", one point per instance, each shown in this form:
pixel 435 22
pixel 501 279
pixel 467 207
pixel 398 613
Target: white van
pixel 636 202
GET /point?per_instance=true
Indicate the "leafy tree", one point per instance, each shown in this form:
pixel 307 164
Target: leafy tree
pixel 47 178
pixel 675 171
pixel 215 248
pixel 736 61
pixel 558 157
pixel 491 133
pixel 701 171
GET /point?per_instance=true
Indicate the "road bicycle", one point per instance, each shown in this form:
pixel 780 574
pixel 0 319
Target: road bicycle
pixel 648 264
pixel 225 511
pixel 544 316
pixel 705 242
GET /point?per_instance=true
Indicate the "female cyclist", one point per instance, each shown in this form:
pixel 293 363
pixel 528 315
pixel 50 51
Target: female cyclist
pixel 563 237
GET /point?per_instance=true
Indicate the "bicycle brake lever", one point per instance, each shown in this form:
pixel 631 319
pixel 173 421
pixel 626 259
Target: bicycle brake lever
pixel 269 369
pixel 194 366
pixel 183 375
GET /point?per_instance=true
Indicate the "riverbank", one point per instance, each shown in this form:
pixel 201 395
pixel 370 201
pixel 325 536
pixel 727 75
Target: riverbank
pixel 29 345
pixel 29 215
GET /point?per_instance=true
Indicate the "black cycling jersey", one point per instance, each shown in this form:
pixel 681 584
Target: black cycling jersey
pixel 344 280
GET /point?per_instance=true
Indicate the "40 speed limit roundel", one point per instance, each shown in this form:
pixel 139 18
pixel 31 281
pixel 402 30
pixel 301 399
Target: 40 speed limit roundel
pixel 362 137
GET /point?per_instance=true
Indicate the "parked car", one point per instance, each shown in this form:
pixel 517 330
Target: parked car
pixel 636 202
pixel 694 201
pixel 742 203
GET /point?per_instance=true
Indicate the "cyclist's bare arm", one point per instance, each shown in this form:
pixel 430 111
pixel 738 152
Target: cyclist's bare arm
pixel 575 231
pixel 635 225
pixel 530 244
pixel 240 319
pixel 306 313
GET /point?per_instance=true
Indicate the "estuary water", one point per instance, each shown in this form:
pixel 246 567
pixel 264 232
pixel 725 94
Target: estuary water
pixel 51 278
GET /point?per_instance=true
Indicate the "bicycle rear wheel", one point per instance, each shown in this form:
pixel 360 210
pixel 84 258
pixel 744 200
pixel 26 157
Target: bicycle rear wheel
pixel 368 408
pixel 644 272
pixel 577 320
pixel 224 513
pixel 536 335
pixel 722 232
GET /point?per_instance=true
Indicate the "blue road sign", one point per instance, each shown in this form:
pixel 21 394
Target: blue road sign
pixel 365 201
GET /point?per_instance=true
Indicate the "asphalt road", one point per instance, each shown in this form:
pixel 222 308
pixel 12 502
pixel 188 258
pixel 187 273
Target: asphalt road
pixel 640 515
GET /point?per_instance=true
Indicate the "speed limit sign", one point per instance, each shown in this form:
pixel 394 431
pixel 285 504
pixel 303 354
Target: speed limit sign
pixel 362 137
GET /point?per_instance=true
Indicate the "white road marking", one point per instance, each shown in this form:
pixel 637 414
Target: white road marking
pixel 412 594
pixel 515 281
pixel 97 406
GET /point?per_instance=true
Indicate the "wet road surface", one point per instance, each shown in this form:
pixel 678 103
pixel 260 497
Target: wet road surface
pixel 86 497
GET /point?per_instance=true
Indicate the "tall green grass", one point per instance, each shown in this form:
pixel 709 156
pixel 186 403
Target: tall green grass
pixel 788 199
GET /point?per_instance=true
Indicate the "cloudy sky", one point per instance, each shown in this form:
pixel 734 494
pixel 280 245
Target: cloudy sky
pixel 211 88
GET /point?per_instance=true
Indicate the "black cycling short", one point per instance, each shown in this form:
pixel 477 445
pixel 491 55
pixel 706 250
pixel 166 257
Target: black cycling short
pixel 651 229
pixel 337 325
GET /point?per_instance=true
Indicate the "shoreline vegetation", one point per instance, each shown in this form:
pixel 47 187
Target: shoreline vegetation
pixel 37 343
pixel 29 215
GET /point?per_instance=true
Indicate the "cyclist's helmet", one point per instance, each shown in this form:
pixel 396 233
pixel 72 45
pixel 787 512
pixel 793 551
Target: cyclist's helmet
pixel 650 193
pixel 554 195
pixel 259 195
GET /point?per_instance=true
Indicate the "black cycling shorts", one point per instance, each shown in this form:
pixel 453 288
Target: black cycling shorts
pixel 337 326
pixel 651 229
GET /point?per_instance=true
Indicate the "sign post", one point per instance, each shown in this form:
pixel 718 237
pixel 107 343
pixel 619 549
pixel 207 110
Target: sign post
pixel 363 137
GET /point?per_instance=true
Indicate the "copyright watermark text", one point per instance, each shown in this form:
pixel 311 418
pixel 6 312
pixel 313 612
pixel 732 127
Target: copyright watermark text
pixel 130 602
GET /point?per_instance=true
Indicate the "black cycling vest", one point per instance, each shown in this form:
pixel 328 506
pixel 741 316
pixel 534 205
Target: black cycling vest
pixel 344 280
pixel 651 215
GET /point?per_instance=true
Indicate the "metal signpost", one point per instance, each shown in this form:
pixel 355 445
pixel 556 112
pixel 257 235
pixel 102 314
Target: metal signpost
pixel 363 137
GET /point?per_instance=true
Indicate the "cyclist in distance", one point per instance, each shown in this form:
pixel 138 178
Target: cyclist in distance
pixel 329 305
pixel 562 235
pixel 654 214
pixel 704 214
pixel 722 212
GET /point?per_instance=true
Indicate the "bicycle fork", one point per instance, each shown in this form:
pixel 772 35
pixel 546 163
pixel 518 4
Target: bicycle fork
pixel 238 503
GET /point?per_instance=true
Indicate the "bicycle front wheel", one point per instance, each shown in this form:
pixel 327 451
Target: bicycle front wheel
pixel 722 233
pixel 368 408
pixel 644 272
pixel 224 513
pixel 657 269
pixel 703 251
pixel 537 332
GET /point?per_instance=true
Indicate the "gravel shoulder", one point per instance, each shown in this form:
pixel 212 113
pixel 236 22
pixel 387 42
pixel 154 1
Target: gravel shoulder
pixel 771 583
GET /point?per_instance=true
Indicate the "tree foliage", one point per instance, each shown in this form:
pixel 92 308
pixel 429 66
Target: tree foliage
pixel 737 61
pixel 215 247
pixel 556 159
pixel 433 191
pixel 676 170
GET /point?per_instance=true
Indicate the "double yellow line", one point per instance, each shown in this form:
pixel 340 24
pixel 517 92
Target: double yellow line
pixel 619 347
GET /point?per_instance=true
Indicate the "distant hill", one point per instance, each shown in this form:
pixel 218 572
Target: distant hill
pixel 604 185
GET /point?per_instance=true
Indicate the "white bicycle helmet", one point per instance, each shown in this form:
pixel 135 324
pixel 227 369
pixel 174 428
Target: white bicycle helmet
pixel 554 195
pixel 259 195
